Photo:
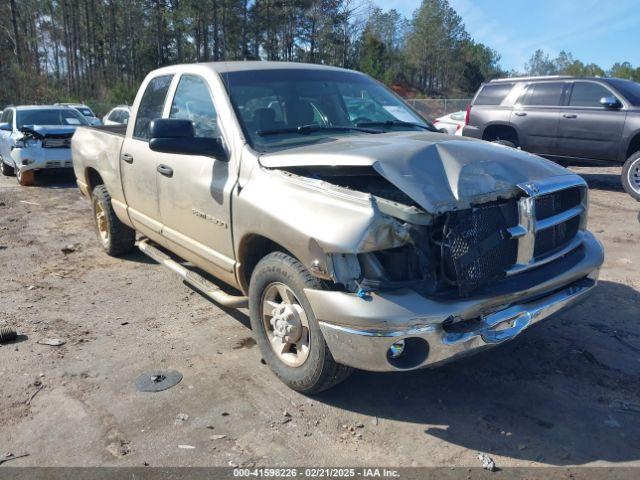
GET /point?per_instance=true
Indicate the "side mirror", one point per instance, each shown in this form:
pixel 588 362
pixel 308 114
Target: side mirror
pixel 610 102
pixel 6 127
pixel 173 135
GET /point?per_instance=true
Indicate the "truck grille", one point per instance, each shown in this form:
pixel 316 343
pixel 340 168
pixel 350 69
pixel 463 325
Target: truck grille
pixel 487 243
pixel 56 143
pixel 551 217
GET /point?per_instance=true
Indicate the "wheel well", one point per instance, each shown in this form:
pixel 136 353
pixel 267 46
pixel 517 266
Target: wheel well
pixel 634 146
pixel 254 248
pixel 502 132
pixel 93 179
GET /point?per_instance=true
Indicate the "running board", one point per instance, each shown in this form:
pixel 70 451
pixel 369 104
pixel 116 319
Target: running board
pixel 192 278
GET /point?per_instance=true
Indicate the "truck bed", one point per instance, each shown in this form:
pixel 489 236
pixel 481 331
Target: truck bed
pixel 96 151
pixel 115 129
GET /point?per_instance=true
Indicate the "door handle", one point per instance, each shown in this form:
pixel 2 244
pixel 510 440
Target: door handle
pixel 520 114
pixel 127 158
pixel 165 170
pixel 570 115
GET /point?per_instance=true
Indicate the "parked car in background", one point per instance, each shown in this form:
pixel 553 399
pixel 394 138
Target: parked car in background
pixel 84 110
pixel 451 123
pixel 358 235
pixel 568 119
pixel 36 137
pixel 117 116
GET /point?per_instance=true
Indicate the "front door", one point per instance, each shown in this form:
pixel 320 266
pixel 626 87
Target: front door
pixel 194 191
pixel 587 129
pixel 138 162
pixel 536 116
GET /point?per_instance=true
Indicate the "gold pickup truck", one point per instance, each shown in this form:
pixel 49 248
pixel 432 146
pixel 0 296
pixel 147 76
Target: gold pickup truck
pixel 357 234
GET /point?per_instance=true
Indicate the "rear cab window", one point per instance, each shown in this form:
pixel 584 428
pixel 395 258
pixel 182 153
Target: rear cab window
pixel 493 94
pixel 151 105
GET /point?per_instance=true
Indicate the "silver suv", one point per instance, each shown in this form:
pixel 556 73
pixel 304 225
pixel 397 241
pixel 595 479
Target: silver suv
pixel 571 120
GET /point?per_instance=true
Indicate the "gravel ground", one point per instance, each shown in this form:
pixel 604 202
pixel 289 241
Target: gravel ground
pixel 565 393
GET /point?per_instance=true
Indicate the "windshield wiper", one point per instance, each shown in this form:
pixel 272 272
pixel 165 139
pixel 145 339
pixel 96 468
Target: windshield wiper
pixel 393 123
pixel 307 129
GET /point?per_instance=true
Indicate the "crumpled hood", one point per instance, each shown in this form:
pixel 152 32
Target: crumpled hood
pixel 439 172
pixel 43 131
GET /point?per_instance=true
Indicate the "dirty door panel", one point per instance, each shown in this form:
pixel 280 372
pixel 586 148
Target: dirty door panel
pixel 194 198
pixel 138 162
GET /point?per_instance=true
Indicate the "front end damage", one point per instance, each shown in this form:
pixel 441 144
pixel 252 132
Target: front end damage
pixel 431 278
pixel 42 148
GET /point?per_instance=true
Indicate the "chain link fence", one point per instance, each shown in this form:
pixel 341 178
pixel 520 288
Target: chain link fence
pixel 432 108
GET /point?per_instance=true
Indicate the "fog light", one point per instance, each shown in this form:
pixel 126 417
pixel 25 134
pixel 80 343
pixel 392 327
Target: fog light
pixel 26 161
pixel 397 349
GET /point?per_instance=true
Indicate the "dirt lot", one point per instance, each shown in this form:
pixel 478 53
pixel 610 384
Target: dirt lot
pixel 566 392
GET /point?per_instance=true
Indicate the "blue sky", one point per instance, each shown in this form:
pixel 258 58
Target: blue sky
pixel 598 31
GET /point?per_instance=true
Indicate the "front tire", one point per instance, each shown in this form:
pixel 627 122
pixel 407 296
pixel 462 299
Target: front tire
pixel 631 176
pixel 115 237
pixel 26 179
pixel 7 170
pixel 285 328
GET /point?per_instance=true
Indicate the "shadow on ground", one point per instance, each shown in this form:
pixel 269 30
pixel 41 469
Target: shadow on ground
pixel 56 179
pixel 603 181
pixel 532 398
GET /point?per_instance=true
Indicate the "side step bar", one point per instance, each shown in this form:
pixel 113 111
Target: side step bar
pixel 198 281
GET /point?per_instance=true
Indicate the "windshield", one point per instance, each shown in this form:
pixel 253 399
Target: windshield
pixel 50 116
pixel 630 90
pixel 272 105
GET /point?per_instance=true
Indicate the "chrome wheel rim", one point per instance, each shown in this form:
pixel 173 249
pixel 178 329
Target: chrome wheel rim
pixel 634 176
pixel 101 223
pixel 286 325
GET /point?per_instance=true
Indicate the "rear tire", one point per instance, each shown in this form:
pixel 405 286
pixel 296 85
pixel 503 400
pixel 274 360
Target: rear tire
pixel 7 170
pixel 631 176
pixel 316 370
pixel 26 179
pixel 115 237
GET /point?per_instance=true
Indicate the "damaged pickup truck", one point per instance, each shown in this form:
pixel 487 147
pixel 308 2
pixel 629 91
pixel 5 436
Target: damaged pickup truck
pixel 358 236
pixel 36 137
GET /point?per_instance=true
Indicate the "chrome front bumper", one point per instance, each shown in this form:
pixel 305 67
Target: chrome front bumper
pixel 362 339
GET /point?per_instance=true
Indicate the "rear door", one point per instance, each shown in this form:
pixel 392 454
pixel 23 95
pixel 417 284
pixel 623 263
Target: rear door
pixel 137 161
pixel 194 190
pixel 587 129
pixel 536 116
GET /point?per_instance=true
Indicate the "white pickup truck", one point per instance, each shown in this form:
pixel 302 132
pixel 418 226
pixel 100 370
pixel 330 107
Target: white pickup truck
pixel 358 235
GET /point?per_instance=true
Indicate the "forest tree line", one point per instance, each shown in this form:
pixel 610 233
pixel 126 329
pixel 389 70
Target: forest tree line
pixel 99 50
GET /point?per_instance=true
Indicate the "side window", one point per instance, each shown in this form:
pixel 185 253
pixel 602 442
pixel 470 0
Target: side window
pixel 124 116
pixel 543 94
pixel 587 94
pixel 7 117
pixel 493 94
pixel 151 105
pixel 192 101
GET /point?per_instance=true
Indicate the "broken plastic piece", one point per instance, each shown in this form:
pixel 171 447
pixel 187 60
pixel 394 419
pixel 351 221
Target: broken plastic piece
pixel 363 294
